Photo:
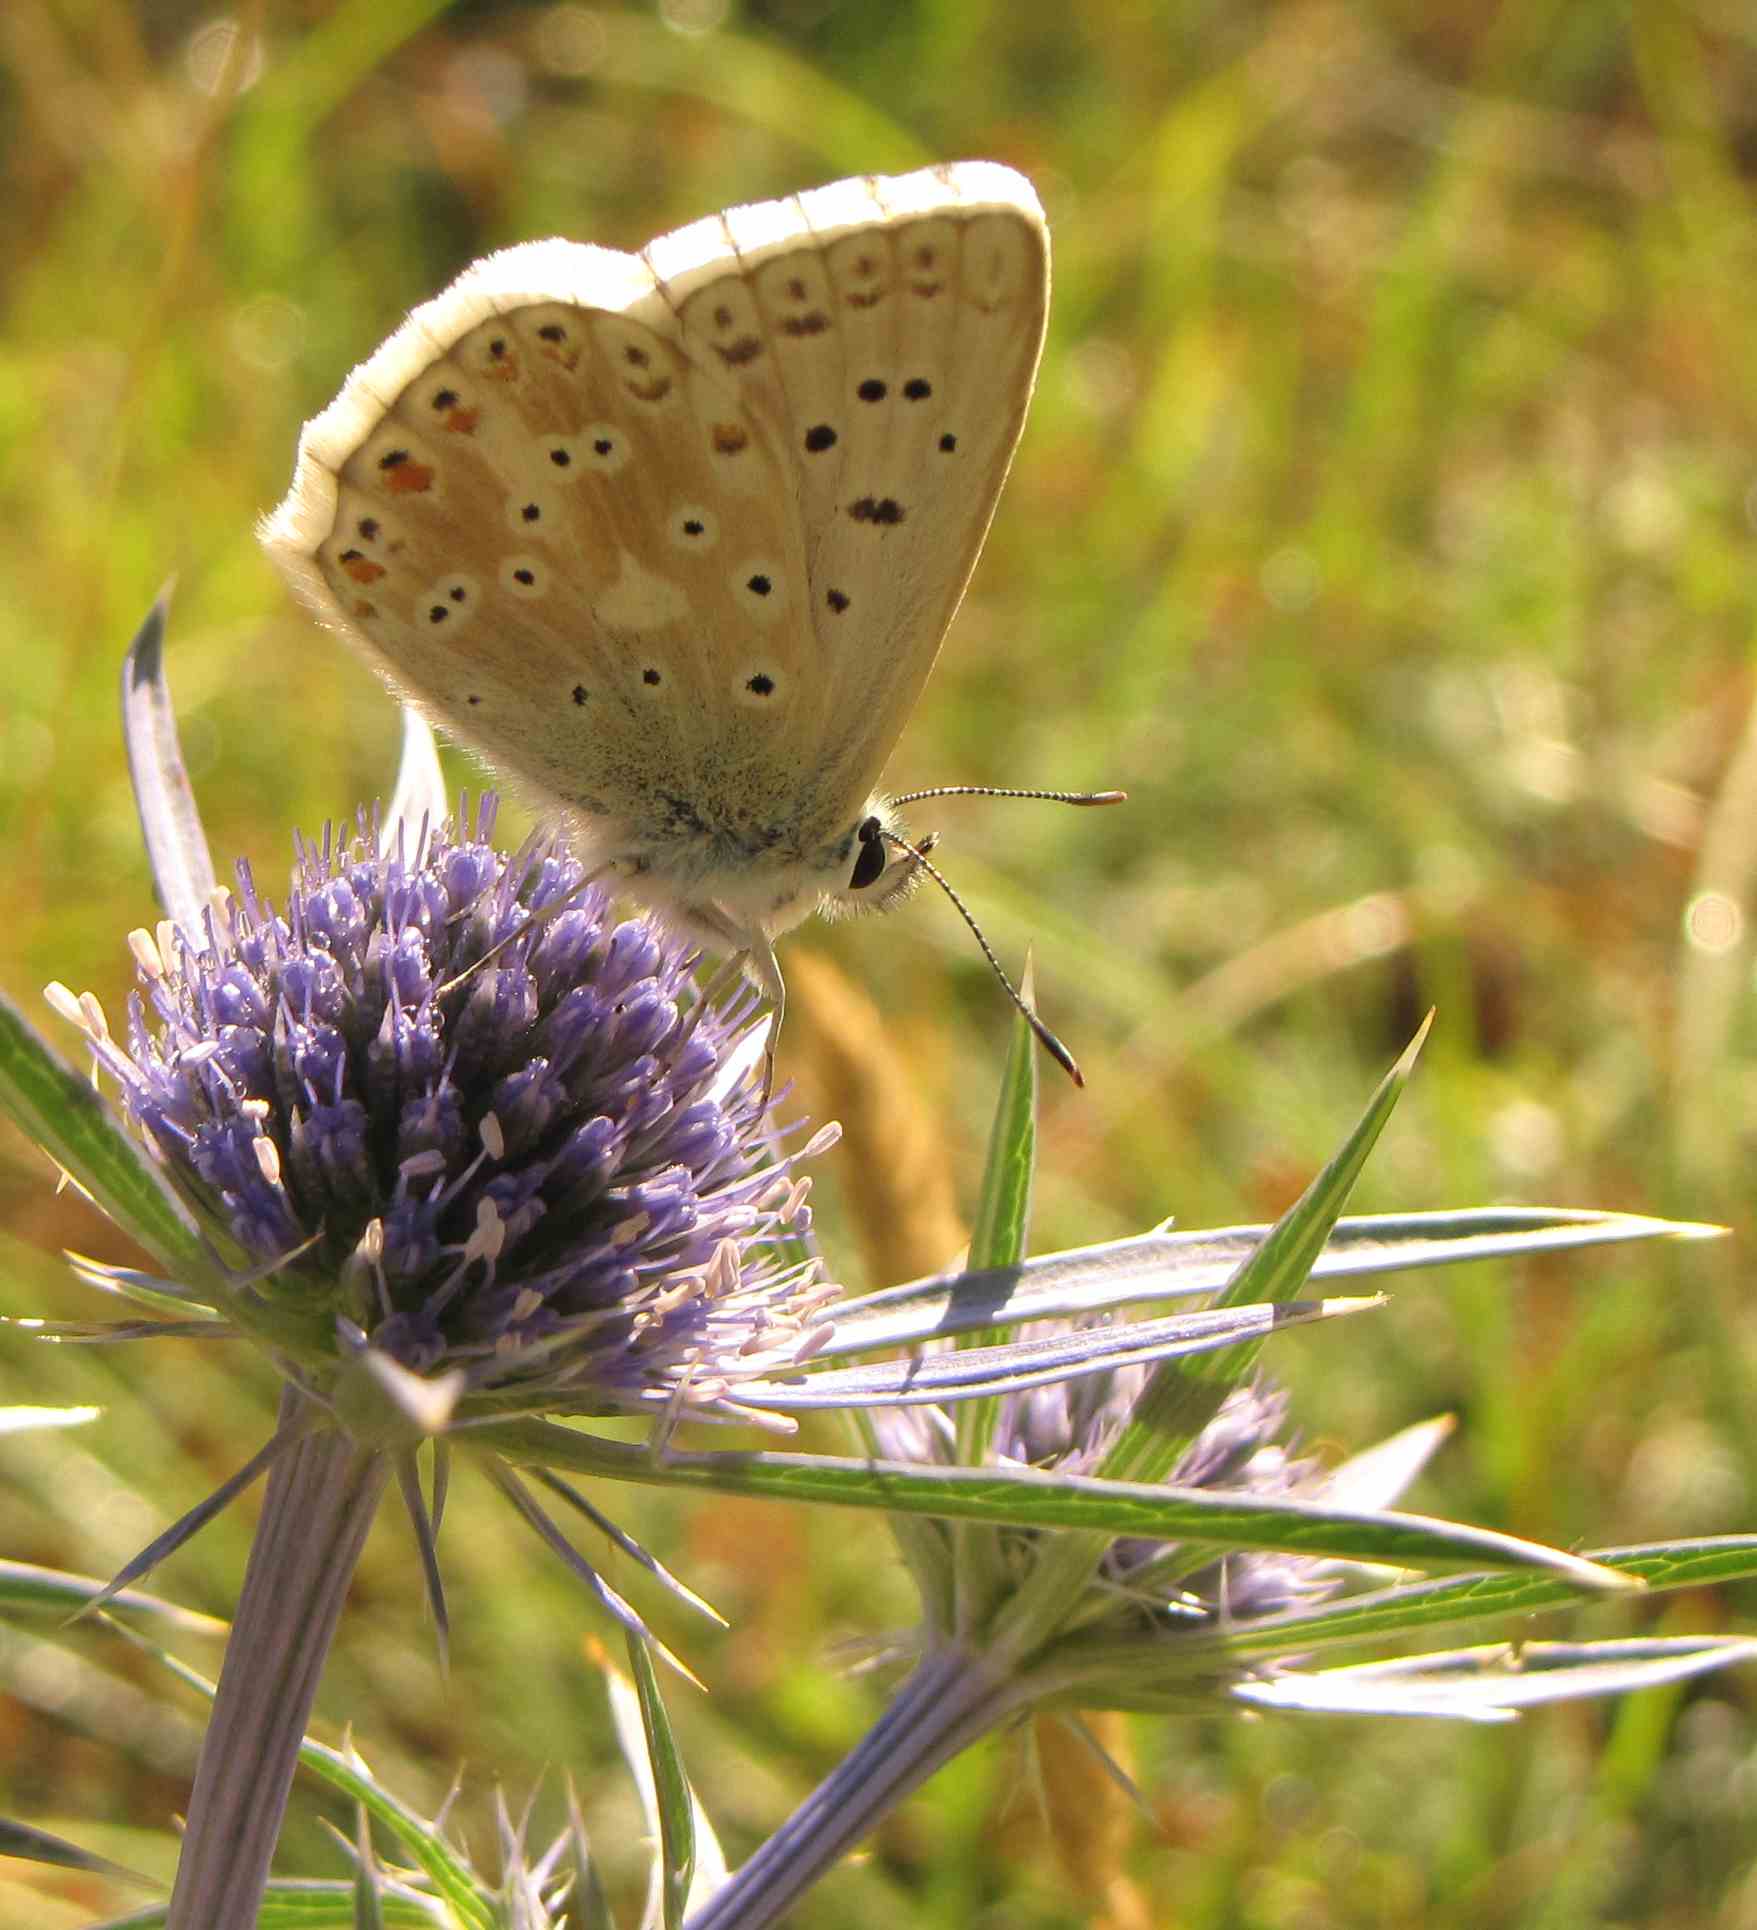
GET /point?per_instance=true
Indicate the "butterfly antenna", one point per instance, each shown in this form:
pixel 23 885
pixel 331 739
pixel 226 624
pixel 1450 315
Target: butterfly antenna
pixel 989 790
pixel 1046 1038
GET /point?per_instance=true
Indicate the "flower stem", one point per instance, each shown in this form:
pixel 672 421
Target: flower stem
pixel 953 1698
pixel 321 1499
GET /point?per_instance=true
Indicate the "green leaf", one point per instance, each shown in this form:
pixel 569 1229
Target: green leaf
pixel 293 1905
pixel 64 1114
pixel 24 1587
pixel 1710 1562
pixel 690 1864
pixel 1032 1498
pixel 1003 1208
pixel 1182 1397
pixel 1279 1267
pixel 978 1571
pixel 368 1879
pixel 671 1792
pixel 37 1846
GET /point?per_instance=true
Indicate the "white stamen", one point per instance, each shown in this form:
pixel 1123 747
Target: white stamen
pixel 769 1422
pixel 489 1237
pixel 146 953
pixel 492 1136
pixel 268 1159
pixel 64 1002
pixel 626 1232
pixel 686 1287
pixel 816 1341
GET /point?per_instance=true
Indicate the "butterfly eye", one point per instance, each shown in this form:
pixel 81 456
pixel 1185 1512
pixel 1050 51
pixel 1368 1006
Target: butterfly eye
pixel 871 861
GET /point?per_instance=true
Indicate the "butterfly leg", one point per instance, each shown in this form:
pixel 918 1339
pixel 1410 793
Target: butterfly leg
pixel 765 969
pixel 528 932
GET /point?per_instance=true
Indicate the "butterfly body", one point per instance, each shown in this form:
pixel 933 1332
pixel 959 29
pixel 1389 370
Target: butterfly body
pixel 741 886
pixel 672 538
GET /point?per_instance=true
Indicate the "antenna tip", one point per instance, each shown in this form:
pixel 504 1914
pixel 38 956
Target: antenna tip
pixel 1054 1047
pixel 1102 797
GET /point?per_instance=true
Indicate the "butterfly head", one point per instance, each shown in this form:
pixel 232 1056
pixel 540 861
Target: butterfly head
pixel 738 891
pixel 870 867
pixel 879 866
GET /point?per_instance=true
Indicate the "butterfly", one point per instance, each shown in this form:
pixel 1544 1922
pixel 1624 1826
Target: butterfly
pixel 672 538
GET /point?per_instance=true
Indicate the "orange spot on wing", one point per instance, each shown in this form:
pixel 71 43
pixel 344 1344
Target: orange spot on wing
pixel 409 479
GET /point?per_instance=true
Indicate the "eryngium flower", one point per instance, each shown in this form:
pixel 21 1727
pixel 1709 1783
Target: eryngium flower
pixel 497 1131
pixel 1016 1620
pixel 1070 1426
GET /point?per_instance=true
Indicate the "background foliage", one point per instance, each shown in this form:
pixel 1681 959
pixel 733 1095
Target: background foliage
pixel 1383 525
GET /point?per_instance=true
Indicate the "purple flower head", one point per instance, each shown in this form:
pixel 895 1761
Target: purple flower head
pixel 1070 1426
pixel 450 1099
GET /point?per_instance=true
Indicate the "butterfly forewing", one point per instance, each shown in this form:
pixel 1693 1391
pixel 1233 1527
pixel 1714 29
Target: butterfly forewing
pixel 675 537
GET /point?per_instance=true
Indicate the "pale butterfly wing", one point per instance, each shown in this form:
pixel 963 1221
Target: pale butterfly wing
pixel 889 331
pixel 499 510
pixel 674 538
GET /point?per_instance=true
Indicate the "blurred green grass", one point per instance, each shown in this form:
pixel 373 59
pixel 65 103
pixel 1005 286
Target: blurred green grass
pixel 1383 525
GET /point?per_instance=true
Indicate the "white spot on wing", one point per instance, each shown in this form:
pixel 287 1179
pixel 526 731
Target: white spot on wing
pixel 639 599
